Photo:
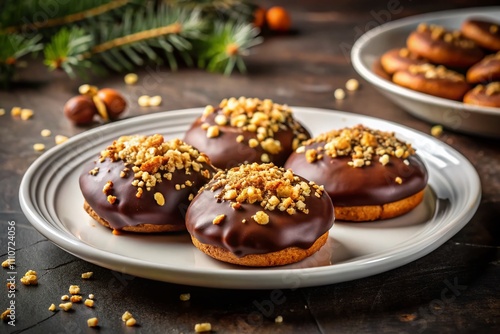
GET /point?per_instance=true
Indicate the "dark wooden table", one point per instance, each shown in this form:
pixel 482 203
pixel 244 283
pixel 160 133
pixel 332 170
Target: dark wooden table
pixel 453 289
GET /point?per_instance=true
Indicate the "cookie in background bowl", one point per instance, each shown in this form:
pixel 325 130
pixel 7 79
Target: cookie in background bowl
pixel 246 130
pixel 443 47
pixel 484 95
pixel 400 59
pixel 486 70
pixel 434 80
pixel 144 183
pixel 369 174
pixel 260 215
pixel 484 32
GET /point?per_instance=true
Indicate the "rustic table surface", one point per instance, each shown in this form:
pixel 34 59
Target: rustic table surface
pixel 453 289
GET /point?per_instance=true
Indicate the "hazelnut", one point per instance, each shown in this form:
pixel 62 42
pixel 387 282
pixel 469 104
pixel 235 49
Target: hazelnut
pixel 114 101
pixel 80 110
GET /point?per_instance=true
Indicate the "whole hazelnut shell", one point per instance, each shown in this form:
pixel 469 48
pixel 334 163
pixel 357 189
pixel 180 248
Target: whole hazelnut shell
pixel 114 101
pixel 80 110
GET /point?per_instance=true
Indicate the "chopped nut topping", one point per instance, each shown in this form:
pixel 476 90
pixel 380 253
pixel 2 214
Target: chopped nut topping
pixel 265 157
pixel 151 159
pixel 160 200
pixel 64 297
pixel 339 94
pixel 435 72
pixel 2 111
pixel 261 217
pixel 203 327
pixel 89 303
pixel 107 187
pixel 111 199
pixel 92 322
pixel 263 117
pixel 278 319
pixel 213 131
pixel 218 219
pixel 91 296
pixel 185 297
pixel 398 180
pixel 66 306
pixel 360 143
pixel 274 188
pixel 74 289
pixel 52 307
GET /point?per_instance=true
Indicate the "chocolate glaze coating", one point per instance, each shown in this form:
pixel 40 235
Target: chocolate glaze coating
pixel 128 210
pixel 368 185
pixel 225 152
pixel 283 230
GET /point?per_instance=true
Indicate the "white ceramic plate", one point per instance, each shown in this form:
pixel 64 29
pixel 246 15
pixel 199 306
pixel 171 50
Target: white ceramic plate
pixel 455 115
pixel 51 199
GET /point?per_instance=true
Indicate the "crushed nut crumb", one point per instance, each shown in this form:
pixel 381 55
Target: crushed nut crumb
pixel 203 327
pixel 52 307
pixel 398 180
pixel 437 130
pixel 26 114
pixel 5 314
pixel 45 133
pixel 30 278
pixel 75 298
pixel 131 78
pixel 91 296
pixel 39 147
pixel 339 94
pixel 213 131
pixel 278 319
pixel 130 322
pixel 74 289
pixel 59 139
pixel 8 262
pixel 352 85
pixel 92 322
pixel 89 303
pixel 2 111
pixel 127 315
pixel 185 297
pixel 155 101
pixel 143 101
pixel 66 306
pixel 64 297
pixel 430 71
pixel 15 111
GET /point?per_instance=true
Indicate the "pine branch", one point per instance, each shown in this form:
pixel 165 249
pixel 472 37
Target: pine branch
pixel 65 50
pixel 142 34
pixel 13 47
pixel 224 49
pixel 40 15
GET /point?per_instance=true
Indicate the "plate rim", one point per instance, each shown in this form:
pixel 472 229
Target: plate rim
pixel 320 274
pixel 379 82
